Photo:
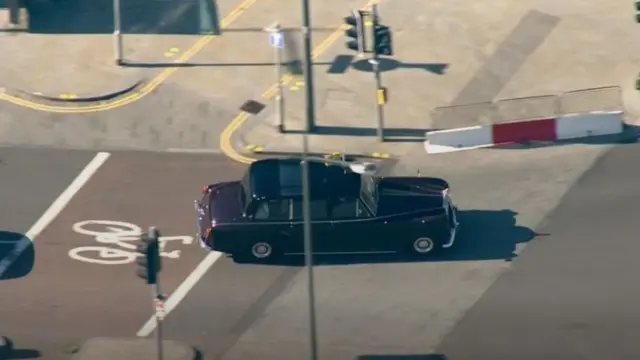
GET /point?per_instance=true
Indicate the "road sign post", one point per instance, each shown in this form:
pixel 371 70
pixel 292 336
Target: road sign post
pixel 158 309
pixel 276 40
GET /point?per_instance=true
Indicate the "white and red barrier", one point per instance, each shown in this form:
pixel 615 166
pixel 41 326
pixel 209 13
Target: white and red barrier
pixel 535 130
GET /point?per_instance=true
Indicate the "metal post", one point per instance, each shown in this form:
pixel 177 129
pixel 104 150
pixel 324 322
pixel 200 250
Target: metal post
pixel 379 106
pixel 117 34
pixel 308 250
pixel 157 296
pixel 279 93
pixel 14 12
pixel 375 64
pixel 308 68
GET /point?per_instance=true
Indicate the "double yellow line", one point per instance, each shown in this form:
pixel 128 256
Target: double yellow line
pixel 226 135
pixel 144 91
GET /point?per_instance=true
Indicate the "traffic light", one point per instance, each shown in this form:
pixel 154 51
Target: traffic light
pixel 355 32
pixel 382 40
pixel 638 11
pixel 149 261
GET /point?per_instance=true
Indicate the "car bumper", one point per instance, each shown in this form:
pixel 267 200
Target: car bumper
pixel 453 228
pixel 203 243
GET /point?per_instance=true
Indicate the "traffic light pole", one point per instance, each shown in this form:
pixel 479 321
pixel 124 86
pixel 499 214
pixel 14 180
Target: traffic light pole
pixel 375 65
pixel 150 250
pixel 156 293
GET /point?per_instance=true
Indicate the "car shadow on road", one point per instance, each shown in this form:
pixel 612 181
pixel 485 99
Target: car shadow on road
pixel 172 17
pixel 8 351
pixel 19 252
pixel 403 357
pixel 482 235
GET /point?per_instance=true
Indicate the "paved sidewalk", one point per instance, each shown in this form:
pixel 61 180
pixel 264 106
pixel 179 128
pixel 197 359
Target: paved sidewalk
pixel 133 349
pixel 453 54
pixel 68 51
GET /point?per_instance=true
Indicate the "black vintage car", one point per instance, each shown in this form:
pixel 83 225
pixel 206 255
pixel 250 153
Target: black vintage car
pixel 352 211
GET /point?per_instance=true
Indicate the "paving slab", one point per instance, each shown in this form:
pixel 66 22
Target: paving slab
pixel 457 54
pixel 68 53
pixel 133 349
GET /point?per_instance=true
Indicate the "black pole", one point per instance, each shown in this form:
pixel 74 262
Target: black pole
pixel 310 128
pixel 308 71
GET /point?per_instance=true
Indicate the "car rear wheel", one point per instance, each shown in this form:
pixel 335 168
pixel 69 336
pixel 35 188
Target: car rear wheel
pixel 423 245
pixel 261 250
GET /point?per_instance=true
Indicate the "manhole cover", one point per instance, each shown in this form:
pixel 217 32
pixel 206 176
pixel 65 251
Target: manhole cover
pixel 252 107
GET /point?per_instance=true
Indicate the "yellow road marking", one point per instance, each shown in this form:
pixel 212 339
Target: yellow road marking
pixel 144 91
pixel 234 125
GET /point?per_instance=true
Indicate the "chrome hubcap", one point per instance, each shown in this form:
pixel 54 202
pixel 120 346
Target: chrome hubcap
pixel 261 250
pixel 423 245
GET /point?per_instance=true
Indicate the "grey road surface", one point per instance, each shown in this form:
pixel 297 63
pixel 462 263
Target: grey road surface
pixel 375 306
pixel 572 294
pixel 31 180
pixel 69 276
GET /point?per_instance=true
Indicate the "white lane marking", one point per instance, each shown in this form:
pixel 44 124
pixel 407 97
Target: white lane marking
pixel 54 210
pixel 182 291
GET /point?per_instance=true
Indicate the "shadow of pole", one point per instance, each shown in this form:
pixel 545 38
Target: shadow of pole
pixel 387 64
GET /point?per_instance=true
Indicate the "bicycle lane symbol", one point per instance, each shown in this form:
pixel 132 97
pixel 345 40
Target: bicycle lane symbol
pixel 111 233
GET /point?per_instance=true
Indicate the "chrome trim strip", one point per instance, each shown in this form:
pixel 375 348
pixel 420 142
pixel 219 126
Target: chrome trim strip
pixel 454 230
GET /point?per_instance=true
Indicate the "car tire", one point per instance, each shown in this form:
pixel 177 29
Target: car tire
pixel 262 250
pixel 423 246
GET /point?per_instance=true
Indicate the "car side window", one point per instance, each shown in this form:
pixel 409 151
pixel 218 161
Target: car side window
pixel 348 208
pixel 274 210
pixel 319 210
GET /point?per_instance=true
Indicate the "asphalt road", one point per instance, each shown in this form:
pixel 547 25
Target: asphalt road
pixel 574 294
pixel 66 297
pixel 382 307
pixel 562 290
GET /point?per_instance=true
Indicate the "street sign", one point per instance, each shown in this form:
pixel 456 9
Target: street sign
pixel 276 40
pixel 159 305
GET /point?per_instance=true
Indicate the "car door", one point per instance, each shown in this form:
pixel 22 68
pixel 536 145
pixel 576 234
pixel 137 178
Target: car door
pixel 357 230
pixel 271 223
pixel 321 225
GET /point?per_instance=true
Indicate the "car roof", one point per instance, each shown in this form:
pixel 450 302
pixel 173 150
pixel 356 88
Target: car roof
pixel 282 178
